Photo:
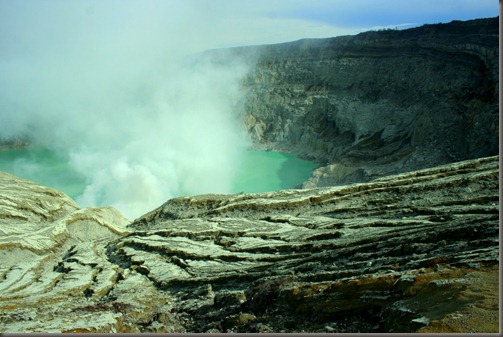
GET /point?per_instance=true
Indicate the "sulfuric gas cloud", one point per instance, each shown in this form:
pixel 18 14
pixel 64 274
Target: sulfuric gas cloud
pixel 116 87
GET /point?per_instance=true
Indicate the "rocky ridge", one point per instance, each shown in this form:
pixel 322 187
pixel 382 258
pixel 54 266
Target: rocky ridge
pixel 412 252
pixel 39 228
pixel 380 102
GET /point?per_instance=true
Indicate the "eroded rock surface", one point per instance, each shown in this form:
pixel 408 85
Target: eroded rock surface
pixel 53 262
pixel 404 253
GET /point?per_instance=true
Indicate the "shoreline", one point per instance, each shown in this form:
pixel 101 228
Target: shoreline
pixel 4 147
pixel 14 143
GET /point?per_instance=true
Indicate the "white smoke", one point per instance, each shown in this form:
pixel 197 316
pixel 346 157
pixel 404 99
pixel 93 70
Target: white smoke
pixel 109 84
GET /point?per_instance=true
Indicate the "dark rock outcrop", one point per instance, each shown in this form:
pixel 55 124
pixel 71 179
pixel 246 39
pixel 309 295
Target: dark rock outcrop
pixel 410 252
pixel 13 143
pixel 380 102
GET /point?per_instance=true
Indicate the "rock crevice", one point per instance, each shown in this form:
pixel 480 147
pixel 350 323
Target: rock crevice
pixel 412 252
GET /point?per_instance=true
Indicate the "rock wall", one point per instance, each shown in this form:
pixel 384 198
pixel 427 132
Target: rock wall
pixel 405 253
pixel 373 104
pixel 380 102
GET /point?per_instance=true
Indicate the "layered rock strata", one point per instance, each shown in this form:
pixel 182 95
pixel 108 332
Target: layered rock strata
pixel 380 102
pixel 52 259
pixel 411 252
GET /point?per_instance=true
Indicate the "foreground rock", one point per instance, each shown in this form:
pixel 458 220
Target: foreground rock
pixel 405 253
pixel 52 258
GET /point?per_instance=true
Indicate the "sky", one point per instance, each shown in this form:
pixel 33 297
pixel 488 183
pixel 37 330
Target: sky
pixel 207 24
pixel 104 82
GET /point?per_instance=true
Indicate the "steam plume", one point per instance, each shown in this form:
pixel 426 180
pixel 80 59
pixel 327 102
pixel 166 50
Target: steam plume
pixel 110 86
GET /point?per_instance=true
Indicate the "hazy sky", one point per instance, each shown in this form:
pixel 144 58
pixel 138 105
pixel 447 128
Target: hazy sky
pixel 221 23
pixel 104 82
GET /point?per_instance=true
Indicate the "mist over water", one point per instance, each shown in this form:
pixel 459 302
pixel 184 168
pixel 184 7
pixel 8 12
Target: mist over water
pixel 258 171
pixel 111 88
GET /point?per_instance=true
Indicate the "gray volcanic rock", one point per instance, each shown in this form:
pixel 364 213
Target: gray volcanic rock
pixel 404 253
pixel 52 258
pixel 380 102
pixel 362 257
pixel 13 143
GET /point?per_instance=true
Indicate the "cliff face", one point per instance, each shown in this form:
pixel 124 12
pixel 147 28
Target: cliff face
pixel 405 253
pixel 379 102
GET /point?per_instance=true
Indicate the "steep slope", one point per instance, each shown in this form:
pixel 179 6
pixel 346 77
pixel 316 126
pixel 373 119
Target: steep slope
pixel 39 227
pixel 410 252
pixel 380 102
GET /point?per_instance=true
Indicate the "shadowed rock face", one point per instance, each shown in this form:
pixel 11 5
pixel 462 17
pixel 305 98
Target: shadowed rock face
pixel 378 103
pixel 411 252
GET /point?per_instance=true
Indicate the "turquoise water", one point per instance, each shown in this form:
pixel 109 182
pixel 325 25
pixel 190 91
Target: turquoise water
pixel 259 171
pixel 45 167
pixel 263 171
